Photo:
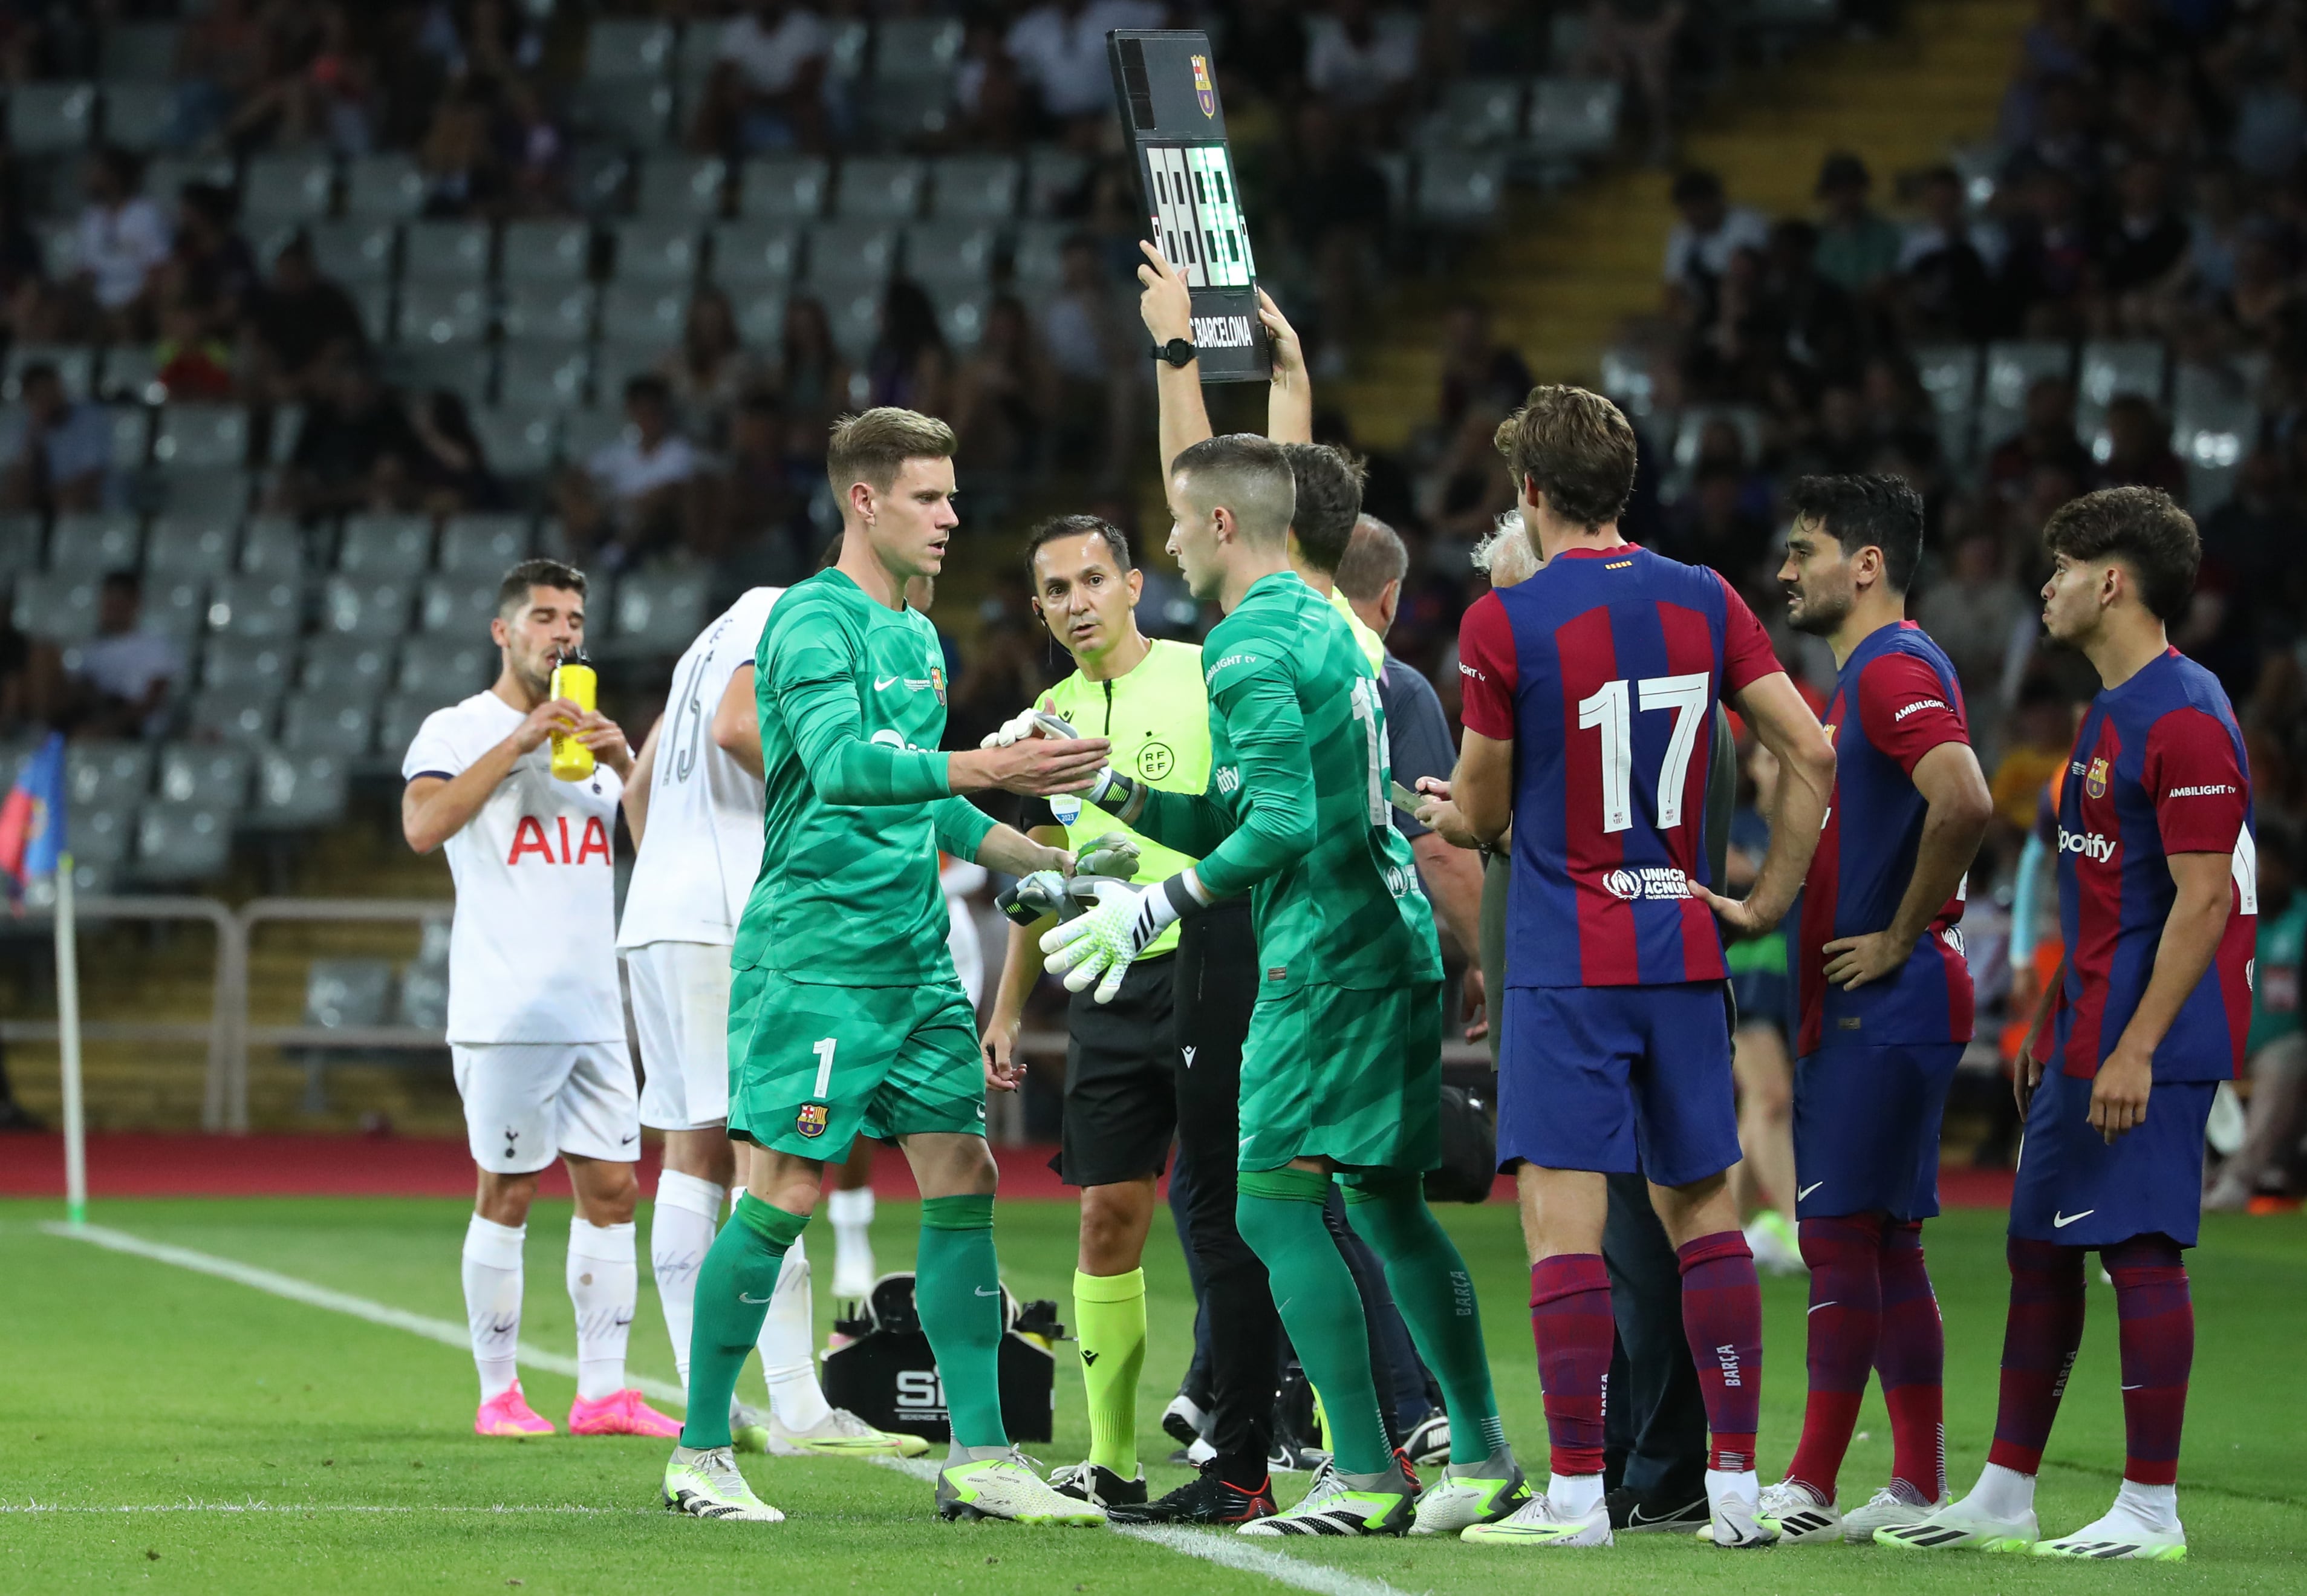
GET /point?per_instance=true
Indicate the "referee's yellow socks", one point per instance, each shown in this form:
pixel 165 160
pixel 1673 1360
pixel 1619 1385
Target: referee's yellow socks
pixel 1109 1319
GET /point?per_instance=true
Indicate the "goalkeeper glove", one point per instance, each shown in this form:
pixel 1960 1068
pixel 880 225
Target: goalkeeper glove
pixel 1114 854
pixel 1100 945
pixel 1031 897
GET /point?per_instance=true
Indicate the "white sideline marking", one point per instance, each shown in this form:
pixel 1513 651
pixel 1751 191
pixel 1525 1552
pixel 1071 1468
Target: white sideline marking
pixel 1222 1548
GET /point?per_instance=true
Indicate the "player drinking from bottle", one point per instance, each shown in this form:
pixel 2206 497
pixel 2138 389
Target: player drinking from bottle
pixel 844 1016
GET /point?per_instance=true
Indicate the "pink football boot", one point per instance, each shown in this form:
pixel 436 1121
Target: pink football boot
pixel 620 1413
pixel 508 1414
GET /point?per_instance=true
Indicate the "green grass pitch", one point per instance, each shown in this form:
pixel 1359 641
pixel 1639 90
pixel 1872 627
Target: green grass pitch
pixel 130 1382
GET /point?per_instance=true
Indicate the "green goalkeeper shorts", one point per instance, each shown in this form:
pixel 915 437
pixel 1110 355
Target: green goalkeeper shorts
pixel 813 1068
pixel 1341 1073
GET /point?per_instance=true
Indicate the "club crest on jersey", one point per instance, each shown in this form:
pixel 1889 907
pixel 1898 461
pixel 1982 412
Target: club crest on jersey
pixel 1205 96
pixel 812 1120
pixel 2094 782
pixel 937 681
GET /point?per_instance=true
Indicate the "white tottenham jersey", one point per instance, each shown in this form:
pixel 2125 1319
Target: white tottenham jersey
pixel 702 845
pixel 532 953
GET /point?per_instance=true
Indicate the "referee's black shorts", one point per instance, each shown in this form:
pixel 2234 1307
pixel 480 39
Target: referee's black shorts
pixel 1121 1093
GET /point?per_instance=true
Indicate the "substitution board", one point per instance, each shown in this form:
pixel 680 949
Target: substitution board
pixel 1168 95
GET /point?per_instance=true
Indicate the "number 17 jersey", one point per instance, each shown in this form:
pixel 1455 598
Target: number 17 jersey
pixel 1604 669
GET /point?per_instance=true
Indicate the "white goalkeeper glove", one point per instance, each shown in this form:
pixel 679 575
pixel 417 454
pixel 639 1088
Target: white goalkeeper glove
pixel 1100 945
pixel 1114 854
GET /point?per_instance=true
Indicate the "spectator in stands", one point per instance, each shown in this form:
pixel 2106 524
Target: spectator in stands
pixel 2036 743
pixel 1975 612
pixel 1004 394
pixel 710 369
pixel 221 53
pixel 1712 525
pixel 910 363
pixel 628 501
pixel 2251 314
pixel 304 326
pixel 752 514
pixel 2142 256
pixel 535 175
pixel 1947 268
pixel 1333 212
pixel 767 87
pixel 2276 1047
pixel 1060 49
pixel 209 262
pixel 2252 546
pixel 810 376
pixel 1363 63
pixel 1858 247
pixel 2139 453
pixel 1633 41
pixel 193 362
pixel 1477 369
pixel 1094 342
pixel 2045 437
pixel 464 175
pixel 2061 140
pixel 450 469
pixel 1265 50
pixel 351 424
pixel 989 91
pixel 1699 249
pixel 121 676
pixel 122 237
pixel 2046 276
pixel 57 453
pixel 1470 487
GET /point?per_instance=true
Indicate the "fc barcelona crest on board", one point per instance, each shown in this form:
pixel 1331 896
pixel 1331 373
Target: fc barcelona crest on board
pixel 1205 95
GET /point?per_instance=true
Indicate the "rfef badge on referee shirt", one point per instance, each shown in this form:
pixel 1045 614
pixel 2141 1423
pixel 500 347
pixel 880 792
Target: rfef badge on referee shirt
pixel 1167 84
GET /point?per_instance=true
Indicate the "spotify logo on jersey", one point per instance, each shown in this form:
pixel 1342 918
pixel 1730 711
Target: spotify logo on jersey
pixel 1154 761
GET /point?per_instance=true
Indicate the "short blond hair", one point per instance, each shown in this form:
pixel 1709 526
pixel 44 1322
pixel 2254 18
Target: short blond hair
pixel 872 447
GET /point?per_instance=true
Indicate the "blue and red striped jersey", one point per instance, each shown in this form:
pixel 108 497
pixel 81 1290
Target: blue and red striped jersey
pixel 1895 700
pixel 2158 768
pixel 1604 669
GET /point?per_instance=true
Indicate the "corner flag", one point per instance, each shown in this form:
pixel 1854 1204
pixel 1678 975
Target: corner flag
pixel 32 819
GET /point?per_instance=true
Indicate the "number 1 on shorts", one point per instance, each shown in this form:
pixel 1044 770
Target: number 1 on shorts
pixel 824 1051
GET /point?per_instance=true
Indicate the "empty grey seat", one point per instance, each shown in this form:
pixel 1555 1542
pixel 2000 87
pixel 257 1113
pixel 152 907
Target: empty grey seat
pixel 783 188
pixel 59 606
pixel 516 443
pixel 537 252
pixel 880 188
pixel 301 789
pixel 442 312
pixel 975 187
pixel 354 251
pixel 59 243
pixel 446 251
pixel 131 432
pixel 845 254
pixel 402 714
pixel 660 610
pixel 209 491
pixel 1480 113
pixel 139 53
pixel 1053 175
pixel 257 607
pixel 315 724
pixel 584 433
pixel 628 48
pixel 273 546
pixel 1037 256
pixel 944 253
pixel 681 187
pixel 424 994
pixel 75 366
pixel 634 114
pixel 291 187
pixel 107 775
pixel 397 545
pixel 165 175
pixel 543 376
pixel 464 369
pixel 907 49
pixel 384 188
pixel 751 257
pixel 641 313
pixel 191 545
pixel 1463 192
pixel 268 662
pixel 373 605
pixel 548 309
pixel 761 315
pixel 103 836
pixel 656 252
pixel 2111 368
pixel 235 714
pixel 374 304
pixel 199 436
pixel 1574 116
pixel 448 669
pixel 176 604
pixel 2012 369
pixel 484 545
pixel 138 119
pixel 855 314
pixel 181 842
pixel 93 542
pixel 1626 378
pixel 20 543
pixel 616 364
pixel 961 310
pixel 905 114
pixel 600 172
pixel 50 118
pixel 355 668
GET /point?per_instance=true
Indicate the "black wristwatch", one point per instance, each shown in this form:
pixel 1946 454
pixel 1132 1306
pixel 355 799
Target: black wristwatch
pixel 1177 352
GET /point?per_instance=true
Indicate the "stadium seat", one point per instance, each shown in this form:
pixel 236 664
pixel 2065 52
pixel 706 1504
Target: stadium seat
pixel 1037 257
pixel 450 668
pixel 423 994
pixel 845 50
pixel 295 791
pixel 1626 379
pixel 880 188
pixel 2108 369
pixel 536 252
pixel 1052 175
pixel 600 173
pixel 641 313
pixel 659 254
pixel 139 53
pixel 372 604
pixel 464 369
pixel 559 310
pixel 903 115
pixel 273 546
pixel 316 725
pixel 103 836
pixel 192 545
pixel 165 175
pixel 975 188
pixel 442 312
pixel 762 317
pixel 619 360
pixel 285 188
pixel 1573 116
pixel 138 118
pixel 848 254
pixel 2012 369
pixel 269 663
pixel 660 611
pixel 75 366
pixel 484 545
pixel 59 243
pixel 384 188
pixel 1949 375
pixel 961 310
pixel 402 714
pixel 1479 113
pixel 1462 193
pixel 374 302
pixel 181 843
pixel 749 257
pixel 271 606
pixel 584 433
pixel 907 49
pixel 695 56
pixel 354 251
pixel 543 376
pixel 2215 423
pixel 459 604
pixel 50 118
pixel 176 604
pixel 131 430
pixel 855 314
pixel 623 48
pixel 783 188
pixel 356 669
pixel 1692 431
pixel 516 443
pixel 107 774
pixel 947 254
pixel 398 545
pixel 637 116
pixel 445 251
pixel 341 993
pixel 93 542
pixel 681 188
pixel 205 490
pixel 197 435
pixel 235 714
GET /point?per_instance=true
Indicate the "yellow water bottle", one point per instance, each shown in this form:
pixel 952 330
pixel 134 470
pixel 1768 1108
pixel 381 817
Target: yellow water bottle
pixel 573 679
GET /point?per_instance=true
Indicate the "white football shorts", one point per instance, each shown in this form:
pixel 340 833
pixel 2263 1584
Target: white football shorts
pixel 528 1102
pixel 680 1013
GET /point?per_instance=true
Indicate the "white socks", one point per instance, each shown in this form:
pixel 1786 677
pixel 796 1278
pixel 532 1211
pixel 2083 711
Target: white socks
pixel 1724 1485
pixel 681 1233
pixel 2154 1506
pixel 2004 1495
pixel 1574 1496
pixel 794 1395
pixel 852 1213
pixel 492 1300
pixel 604 1282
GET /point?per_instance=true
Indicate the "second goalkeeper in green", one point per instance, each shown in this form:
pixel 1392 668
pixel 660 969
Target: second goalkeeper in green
pixel 1341 1073
pixel 844 1015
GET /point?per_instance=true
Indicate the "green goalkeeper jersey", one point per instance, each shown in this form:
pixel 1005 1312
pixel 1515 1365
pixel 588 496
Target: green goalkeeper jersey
pixel 851 697
pixel 1297 813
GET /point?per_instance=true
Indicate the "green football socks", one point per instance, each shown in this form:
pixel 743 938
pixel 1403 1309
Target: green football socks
pixel 1280 1215
pixel 733 1288
pixel 957 1288
pixel 1437 1298
pixel 1110 1318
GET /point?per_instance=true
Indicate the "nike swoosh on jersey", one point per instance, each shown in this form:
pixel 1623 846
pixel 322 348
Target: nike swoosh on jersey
pixel 2060 1222
pixel 1817 1306
pixel 883 683
pixel 1805 1193
pixel 756 1301
pixel 983 1292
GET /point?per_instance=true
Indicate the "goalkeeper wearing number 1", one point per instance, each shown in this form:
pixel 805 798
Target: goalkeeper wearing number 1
pixel 1341 1074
